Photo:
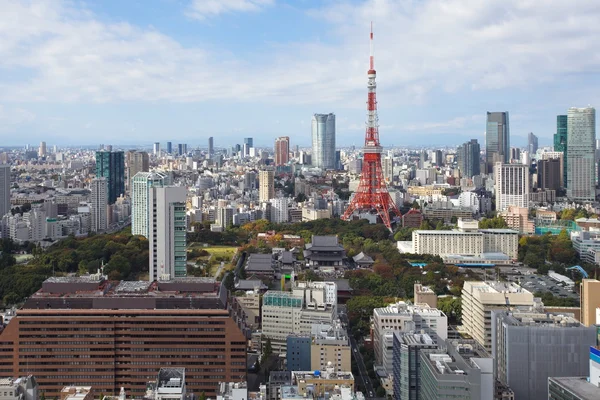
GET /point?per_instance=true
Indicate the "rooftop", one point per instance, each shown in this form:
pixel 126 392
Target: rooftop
pixel 496 287
pixel 403 308
pixel 580 386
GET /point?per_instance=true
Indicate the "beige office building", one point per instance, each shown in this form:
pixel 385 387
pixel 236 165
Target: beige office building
pixel 478 301
pixel 590 300
pixel 266 185
pixel 424 295
pixel 330 343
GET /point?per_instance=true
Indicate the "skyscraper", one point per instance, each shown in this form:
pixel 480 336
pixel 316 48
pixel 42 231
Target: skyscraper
pixel 156 149
pixel 4 189
pixel 111 165
pixel 182 149
pixel 532 143
pixel 140 186
pixel 249 141
pixel 548 173
pixel 512 185
pixel 282 150
pixel 266 182
pixel 169 147
pixel 497 140
pixel 137 161
pixel 42 149
pixel 323 141
pixel 211 147
pixel 167 230
pixel 560 141
pixel 468 158
pixel 581 142
pixel 99 204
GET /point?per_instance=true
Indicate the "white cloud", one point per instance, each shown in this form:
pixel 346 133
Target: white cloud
pixel 203 9
pixel 69 55
pixel 10 117
pixel 454 123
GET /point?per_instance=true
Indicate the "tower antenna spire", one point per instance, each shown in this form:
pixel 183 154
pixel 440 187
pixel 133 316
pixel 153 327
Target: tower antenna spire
pixel 371 58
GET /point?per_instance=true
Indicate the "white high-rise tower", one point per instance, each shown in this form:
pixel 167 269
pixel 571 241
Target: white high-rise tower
pixel 581 145
pixel 140 185
pixel 323 141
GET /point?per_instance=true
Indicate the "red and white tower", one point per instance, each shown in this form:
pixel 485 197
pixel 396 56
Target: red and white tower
pixel 372 194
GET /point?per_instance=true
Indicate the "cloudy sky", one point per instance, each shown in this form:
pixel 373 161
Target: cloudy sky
pixel 139 71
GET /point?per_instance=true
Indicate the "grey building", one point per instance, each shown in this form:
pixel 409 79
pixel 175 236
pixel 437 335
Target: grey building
pixel 298 352
pixel 211 147
pixel 532 143
pixel 497 140
pixel 572 388
pixel 406 362
pixel 581 142
pixel 529 347
pixel 549 173
pixel 464 371
pixel 323 141
pixel 468 158
pixel 4 189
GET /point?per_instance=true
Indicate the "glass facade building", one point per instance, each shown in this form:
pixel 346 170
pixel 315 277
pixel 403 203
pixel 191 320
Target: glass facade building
pixel 560 141
pixel 497 140
pixel 468 158
pixel 581 142
pixel 111 165
pixel 323 141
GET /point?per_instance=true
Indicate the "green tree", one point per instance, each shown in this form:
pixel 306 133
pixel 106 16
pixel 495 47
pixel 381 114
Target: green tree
pixel 267 352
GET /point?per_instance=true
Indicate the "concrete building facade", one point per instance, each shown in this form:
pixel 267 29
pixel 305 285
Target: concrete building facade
pixel 511 185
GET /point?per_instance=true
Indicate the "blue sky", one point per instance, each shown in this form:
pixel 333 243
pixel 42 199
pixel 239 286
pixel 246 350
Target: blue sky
pixel 140 71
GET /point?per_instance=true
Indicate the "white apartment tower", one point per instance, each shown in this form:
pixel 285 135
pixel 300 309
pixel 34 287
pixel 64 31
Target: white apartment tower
pixel 167 232
pixel 99 204
pixel 280 210
pixel 4 189
pixel 140 186
pixel 266 181
pixel 581 145
pixel 512 185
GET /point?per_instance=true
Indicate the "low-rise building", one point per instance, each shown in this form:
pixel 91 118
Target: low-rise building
pixel 77 393
pixel 25 388
pixel 232 391
pixel 324 252
pixel 424 295
pixel 517 218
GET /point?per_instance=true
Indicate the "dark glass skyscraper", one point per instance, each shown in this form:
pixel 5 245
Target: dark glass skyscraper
pixel 468 158
pixel 169 147
pixel 560 141
pixel 497 140
pixel 532 144
pixel 211 147
pixel 111 165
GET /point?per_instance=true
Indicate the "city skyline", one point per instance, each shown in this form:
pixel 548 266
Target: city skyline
pixel 137 73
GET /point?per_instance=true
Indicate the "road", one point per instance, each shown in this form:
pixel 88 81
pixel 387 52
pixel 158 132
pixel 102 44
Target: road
pixel 364 376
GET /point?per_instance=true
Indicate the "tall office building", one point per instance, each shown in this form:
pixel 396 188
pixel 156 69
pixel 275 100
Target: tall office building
pixel 468 158
pixel 167 232
pixel 266 184
pixel 549 173
pixel 140 187
pixel 249 141
pixel 4 189
pixel 560 141
pixel 497 140
pixel 42 149
pixel 590 300
pixel 156 149
pixel 169 147
pixel 531 346
pixel 211 147
pixel 137 161
pixel 182 149
pixel 282 150
pixel 111 165
pixel 581 142
pixel 88 326
pixel 512 185
pixel 99 204
pixel 532 143
pixel 323 141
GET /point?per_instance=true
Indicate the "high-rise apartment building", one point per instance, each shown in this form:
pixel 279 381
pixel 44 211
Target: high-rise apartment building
pixel 266 185
pixel 468 158
pixel 167 232
pixel 560 141
pixel 156 149
pixel 323 141
pixel 79 330
pixel 42 150
pixel 403 317
pixel 99 204
pixel 111 165
pixel 211 147
pixel 581 143
pixel 549 174
pixel 137 161
pixel 140 206
pixel 282 150
pixel 512 185
pixel 532 143
pixel 497 140
pixel 169 147
pixel 280 210
pixel 531 346
pixel 590 301
pixel 479 299
pixel 559 155
pixel 4 189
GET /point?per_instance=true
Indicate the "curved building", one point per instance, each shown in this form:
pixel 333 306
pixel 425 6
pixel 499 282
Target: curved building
pixel 323 141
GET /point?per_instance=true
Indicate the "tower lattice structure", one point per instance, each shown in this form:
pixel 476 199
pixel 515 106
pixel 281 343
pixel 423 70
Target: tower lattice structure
pixel 372 194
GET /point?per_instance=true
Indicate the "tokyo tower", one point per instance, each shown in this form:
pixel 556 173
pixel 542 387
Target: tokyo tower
pixel 372 195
